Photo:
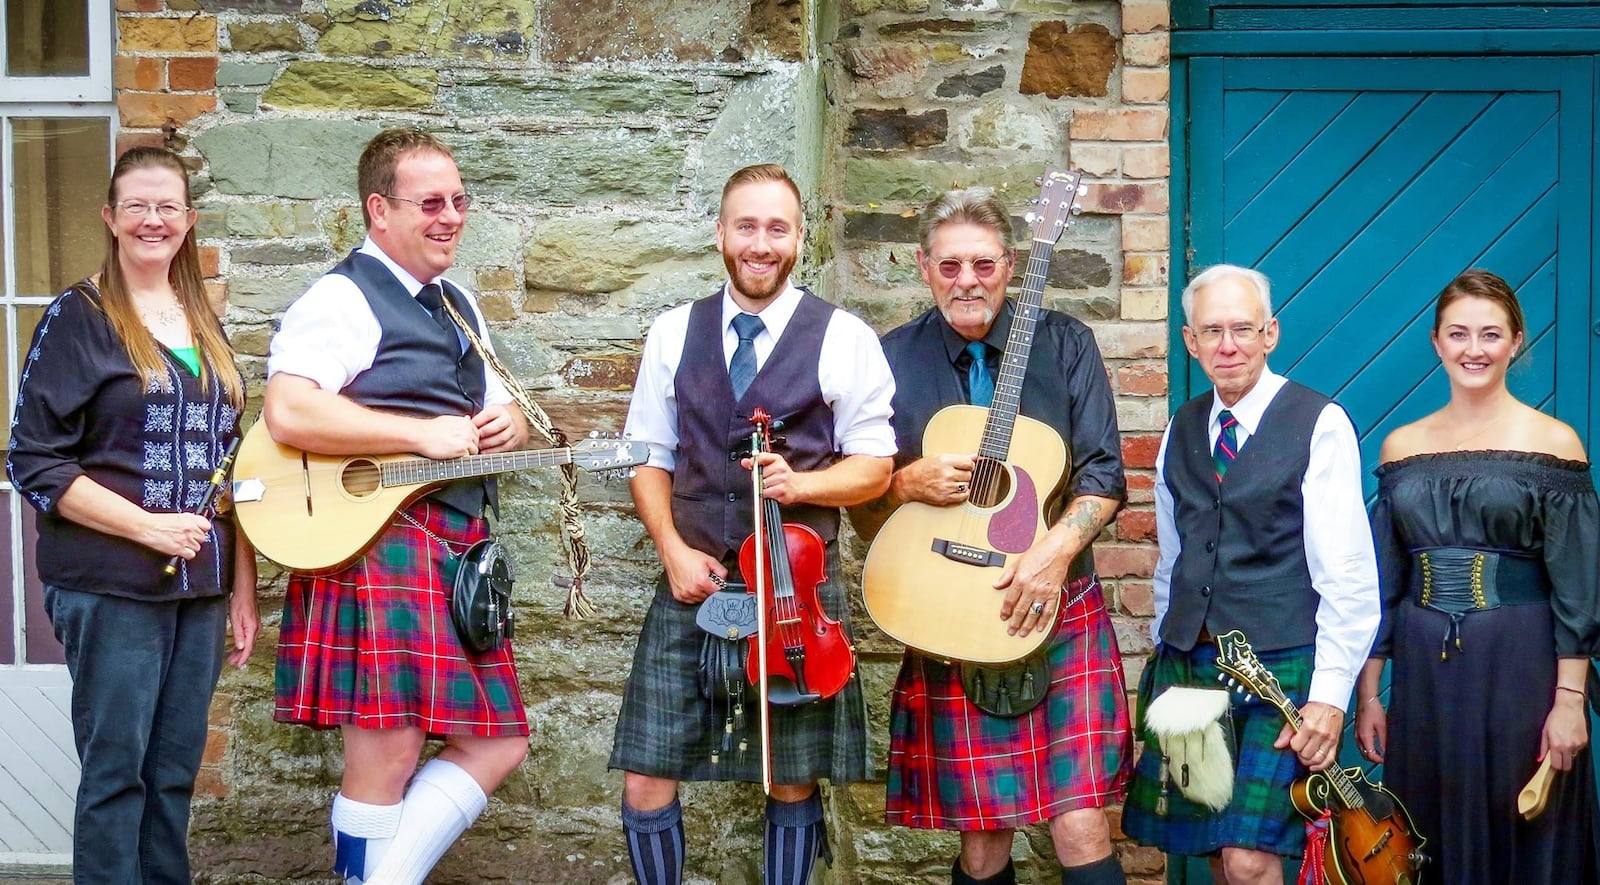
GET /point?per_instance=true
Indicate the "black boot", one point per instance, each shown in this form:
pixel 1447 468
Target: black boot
pixel 1105 871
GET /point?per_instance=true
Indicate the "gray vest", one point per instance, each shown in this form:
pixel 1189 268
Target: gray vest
pixel 1243 561
pixel 712 504
pixel 419 370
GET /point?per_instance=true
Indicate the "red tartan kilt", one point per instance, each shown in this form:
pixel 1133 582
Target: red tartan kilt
pixel 952 766
pixel 372 644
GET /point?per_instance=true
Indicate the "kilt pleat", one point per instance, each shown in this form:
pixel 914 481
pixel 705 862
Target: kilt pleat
pixel 372 644
pixel 1260 816
pixel 952 766
pixel 668 728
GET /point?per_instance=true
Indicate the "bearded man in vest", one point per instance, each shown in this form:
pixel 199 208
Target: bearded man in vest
pixel 757 342
pixel 368 362
pixel 1262 529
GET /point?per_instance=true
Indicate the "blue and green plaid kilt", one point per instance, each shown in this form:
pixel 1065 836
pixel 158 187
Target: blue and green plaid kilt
pixel 372 644
pixel 953 766
pixel 668 728
pixel 1260 816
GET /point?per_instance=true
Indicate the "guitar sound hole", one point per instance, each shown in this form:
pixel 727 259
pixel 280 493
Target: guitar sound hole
pixel 991 482
pixel 361 477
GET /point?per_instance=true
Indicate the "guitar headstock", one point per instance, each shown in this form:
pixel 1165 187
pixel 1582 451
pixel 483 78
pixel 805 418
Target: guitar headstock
pixel 603 451
pixel 1244 671
pixel 1056 205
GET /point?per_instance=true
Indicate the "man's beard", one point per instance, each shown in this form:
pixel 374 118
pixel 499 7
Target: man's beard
pixel 759 288
pixel 988 312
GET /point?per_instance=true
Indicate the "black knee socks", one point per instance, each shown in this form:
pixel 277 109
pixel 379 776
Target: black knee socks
pixel 958 876
pixel 655 843
pixel 794 839
pixel 1105 871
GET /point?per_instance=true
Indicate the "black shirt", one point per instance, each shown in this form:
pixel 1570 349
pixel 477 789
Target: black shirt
pixel 83 410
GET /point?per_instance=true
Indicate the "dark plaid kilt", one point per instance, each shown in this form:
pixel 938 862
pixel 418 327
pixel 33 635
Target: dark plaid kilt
pixel 667 728
pixel 372 644
pixel 954 767
pixel 1260 816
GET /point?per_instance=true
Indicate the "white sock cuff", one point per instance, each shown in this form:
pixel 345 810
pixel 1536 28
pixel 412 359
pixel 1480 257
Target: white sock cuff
pixel 453 781
pixel 364 820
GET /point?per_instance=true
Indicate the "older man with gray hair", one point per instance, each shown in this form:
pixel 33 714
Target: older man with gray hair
pixel 1242 550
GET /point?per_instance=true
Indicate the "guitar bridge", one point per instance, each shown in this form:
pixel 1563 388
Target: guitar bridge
pixel 968 554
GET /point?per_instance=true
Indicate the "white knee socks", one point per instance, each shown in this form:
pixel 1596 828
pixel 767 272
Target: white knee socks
pixel 361 836
pixel 441 803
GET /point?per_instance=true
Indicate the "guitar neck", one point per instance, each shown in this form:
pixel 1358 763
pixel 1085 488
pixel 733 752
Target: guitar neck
pixel 996 442
pixel 422 471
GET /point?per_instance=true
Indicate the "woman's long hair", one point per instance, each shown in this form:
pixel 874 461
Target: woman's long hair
pixel 216 356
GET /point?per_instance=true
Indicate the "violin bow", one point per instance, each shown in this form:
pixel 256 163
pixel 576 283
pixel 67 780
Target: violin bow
pixel 761 603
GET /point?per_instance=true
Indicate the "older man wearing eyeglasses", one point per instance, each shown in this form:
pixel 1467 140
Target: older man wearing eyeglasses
pixel 976 762
pixel 1262 530
pixel 367 361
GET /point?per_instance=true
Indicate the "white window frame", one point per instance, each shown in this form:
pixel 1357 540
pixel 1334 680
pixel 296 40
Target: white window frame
pixel 35 97
pixel 94 87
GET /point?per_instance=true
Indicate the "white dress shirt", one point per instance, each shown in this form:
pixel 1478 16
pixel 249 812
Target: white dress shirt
pixel 1338 539
pixel 852 373
pixel 330 334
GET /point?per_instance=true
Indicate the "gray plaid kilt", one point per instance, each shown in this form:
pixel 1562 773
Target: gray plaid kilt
pixel 667 728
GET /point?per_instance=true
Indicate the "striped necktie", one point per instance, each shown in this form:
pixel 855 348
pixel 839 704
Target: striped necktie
pixel 1227 443
pixel 742 368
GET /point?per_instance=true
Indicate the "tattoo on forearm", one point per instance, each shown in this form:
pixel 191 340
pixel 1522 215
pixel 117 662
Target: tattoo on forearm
pixel 1085 517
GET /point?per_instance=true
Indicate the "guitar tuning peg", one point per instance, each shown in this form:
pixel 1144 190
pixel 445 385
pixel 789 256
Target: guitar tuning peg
pixel 1076 209
pixel 1029 216
pixel 1083 190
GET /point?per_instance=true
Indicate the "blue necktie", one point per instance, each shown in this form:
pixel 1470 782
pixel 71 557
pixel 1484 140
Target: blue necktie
pixel 432 298
pixel 1227 443
pixel 742 368
pixel 980 384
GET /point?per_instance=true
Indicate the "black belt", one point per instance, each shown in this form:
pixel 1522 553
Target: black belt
pixel 1459 581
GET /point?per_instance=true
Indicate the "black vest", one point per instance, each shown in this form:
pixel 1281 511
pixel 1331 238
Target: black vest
pixel 408 375
pixel 1243 560
pixel 712 504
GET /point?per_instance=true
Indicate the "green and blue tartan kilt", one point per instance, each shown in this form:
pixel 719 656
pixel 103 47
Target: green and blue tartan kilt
pixel 372 644
pixel 1260 816
pixel 668 728
pixel 953 766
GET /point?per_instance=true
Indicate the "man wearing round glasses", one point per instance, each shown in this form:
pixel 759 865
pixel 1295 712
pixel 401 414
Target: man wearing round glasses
pixel 367 361
pixel 952 763
pixel 1242 550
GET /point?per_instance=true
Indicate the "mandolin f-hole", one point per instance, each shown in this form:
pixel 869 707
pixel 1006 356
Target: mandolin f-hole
pixel 991 482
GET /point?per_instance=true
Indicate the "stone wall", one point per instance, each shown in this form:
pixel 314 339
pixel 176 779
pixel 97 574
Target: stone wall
pixel 595 135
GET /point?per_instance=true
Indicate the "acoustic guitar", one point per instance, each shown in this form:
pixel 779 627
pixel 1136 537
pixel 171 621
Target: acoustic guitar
pixel 308 511
pixel 929 575
pixel 1371 839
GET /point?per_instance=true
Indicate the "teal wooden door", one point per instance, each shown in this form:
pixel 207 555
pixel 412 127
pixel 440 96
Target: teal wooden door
pixel 1360 186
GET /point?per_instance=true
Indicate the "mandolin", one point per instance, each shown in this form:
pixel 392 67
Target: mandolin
pixel 1371 839
pixel 930 573
pixel 308 511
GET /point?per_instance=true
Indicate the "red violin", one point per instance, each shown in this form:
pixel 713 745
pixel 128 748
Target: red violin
pixel 803 652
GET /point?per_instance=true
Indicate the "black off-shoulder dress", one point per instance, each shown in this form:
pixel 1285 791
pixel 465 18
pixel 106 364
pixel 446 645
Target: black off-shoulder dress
pixel 1465 720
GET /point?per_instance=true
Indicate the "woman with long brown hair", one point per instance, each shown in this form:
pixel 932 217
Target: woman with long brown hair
pixel 1485 529
pixel 129 400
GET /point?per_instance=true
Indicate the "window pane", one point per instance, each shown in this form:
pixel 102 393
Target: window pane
pixel 41 641
pixel 8 605
pixel 62 169
pixel 27 318
pixel 47 38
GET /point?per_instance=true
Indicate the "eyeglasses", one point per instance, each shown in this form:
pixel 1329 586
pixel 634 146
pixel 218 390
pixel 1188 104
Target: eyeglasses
pixel 435 204
pixel 1241 333
pixel 982 268
pixel 139 209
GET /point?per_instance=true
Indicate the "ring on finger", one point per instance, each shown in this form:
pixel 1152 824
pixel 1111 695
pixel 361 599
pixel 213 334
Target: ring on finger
pixel 1037 608
pixel 961 487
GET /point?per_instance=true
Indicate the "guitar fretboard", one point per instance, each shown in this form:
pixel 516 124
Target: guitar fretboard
pixel 412 471
pixel 996 442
